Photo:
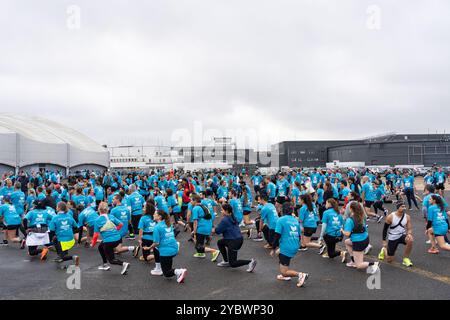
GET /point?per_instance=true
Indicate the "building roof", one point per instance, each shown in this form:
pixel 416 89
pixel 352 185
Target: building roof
pixel 46 131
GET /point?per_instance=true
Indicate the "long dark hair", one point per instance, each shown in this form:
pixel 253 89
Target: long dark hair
pixel 358 212
pixel 439 201
pixel 334 204
pixel 149 208
pixel 306 198
pixel 165 217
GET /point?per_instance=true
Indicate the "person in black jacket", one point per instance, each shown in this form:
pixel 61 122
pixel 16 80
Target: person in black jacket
pixel 232 241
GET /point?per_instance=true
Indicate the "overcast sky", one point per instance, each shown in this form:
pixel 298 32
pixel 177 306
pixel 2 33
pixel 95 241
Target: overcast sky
pixel 135 72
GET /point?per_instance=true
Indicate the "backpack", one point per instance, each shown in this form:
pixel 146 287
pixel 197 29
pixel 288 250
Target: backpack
pixel 207 215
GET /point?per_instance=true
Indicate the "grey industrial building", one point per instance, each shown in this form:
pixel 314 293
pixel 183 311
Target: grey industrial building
pixel 392 149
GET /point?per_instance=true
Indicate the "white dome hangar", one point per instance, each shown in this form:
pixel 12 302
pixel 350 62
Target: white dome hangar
pixel 31 143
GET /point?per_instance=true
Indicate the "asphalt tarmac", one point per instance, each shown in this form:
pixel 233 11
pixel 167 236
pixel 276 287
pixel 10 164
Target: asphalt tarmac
pixel 25 278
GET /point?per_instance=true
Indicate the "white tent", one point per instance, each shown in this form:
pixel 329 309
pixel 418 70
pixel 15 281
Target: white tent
pixel 32 143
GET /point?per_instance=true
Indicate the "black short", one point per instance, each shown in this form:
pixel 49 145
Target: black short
pixel 440 186
pixel 272 200
pixel 12 227
pixel 281 200
pixel 368 204
pixel 284 260
pixel 246 212
pixel 257 189
pixel 308 232
pixel 392 245
pixel 360 246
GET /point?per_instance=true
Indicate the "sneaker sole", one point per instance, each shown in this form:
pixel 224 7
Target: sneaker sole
pixel 183 276
pixel 125 271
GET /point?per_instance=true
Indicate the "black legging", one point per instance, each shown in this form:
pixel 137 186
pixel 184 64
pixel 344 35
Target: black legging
pixel 378 205
pixel 229 250
pixel 64 255
pixel 331 245
pixel 146 253
pixel 166 266
pixel 106 250
pixel 133 228
pixel 200 242
pixel 410 196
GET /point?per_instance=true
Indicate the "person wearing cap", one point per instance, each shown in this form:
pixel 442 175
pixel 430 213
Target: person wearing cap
pixel 398 230
pixel 11 220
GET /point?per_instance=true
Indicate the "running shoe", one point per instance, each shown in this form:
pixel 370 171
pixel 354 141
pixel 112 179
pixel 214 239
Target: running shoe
pixel 76 259
pixel 428 242
pixel 136 251
pixel 379 218
pixel 351 264
pixel 258 239
pixel 433 251
pixel 4 243
pixel 386 212
pixel 302 279
pixel 325 255
pixel 407 262
pixel 215 255
pixel 223 264
pixel 58 260
pixel 322 249
pixel 44 254
pixel 367 250
pixel 130 237
pixel 156 272
pixel 251 266
pixel 199 255
pixel 181 275
pixel 267 246
pixel 303 249
pixel 282 278
pixel 343 256
pixel 104 267
pixel 381 255
pixel 125 267
pixel 22 244
pixel 373 268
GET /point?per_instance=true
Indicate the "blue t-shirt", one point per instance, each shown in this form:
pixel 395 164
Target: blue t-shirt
pixel 204 226
pixel 355 237
pixel 165 237
pixel 439 219
pixel 87 216
pixel 10 215
pixel 63 225
pixel 282 187
pixel 269 215
pixel 334 222
pixel 18 201
pixel 238 212
pixel 173 203
pixel 289 229
pixel 272 190
pixel 136 202
pixel 107 226
pixel 308 218
pixel 440 177
pixel 161 203
pixel 408 182
pixel 79 200
pixel 147 225
pixel 369 191
pixel 38 217
pixel 123 214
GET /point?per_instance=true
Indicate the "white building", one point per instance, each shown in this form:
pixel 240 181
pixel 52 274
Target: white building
pixel 33 143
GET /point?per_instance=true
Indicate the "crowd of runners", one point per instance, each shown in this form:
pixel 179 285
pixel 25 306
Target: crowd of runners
pixel 291 211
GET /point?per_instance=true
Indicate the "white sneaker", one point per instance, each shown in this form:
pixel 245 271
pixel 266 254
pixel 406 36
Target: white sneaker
pixel 251 265
pixel 428 242
pixel 104 267
pixel 181 275
pixel 223 264
pixel 374 269
pixel 125 267
pixel 367 250
pixel 156 272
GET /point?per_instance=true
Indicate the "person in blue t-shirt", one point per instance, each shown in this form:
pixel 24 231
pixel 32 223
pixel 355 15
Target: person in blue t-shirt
pixel 437 224
pixel 108 227
pixel 36 222
pixel 369 197
pixel 146 229
pixel 287 239
pixel 356 229
pixel 203 223
pixel 168 247
pixel 332 223
pixel 409 190
pixel 232 241
pixel 64 225
pixel 440 178
pixel 269 217
pixel 11 220
pixel 308 218
pixel 136 203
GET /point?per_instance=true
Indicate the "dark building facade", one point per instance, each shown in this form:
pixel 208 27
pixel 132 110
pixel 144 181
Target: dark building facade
pixel 393 149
